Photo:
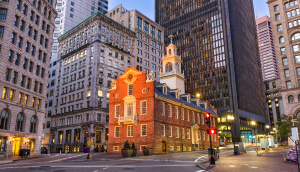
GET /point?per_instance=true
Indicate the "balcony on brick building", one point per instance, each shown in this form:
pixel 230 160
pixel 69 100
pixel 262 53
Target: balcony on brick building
pixel 128 120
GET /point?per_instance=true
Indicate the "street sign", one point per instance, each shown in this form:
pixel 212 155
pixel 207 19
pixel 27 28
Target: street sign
pixel 295 135
pixel 89 143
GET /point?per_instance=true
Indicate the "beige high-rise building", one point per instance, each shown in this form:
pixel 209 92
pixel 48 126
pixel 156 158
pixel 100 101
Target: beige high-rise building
pixel 149 45
pixel 92 55
pixel 285 19
pixel 26 36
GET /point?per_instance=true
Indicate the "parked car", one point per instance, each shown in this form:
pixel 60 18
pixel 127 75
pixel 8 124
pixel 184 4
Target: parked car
pixel 44 150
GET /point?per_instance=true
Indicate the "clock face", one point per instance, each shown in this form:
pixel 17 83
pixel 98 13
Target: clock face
pixel 129 77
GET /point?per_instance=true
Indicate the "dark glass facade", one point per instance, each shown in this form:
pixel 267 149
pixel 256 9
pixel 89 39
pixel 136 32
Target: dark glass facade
pixel 218 44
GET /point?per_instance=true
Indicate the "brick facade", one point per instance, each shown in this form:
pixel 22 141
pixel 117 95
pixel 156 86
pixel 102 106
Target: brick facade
pixel 154 119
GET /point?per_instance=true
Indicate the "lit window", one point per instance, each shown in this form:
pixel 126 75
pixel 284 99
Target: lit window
pixel 88 93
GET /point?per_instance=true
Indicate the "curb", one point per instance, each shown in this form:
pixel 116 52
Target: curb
pixel 198 165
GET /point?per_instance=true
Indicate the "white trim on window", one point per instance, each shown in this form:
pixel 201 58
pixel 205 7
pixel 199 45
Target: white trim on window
pixel 129 130
pixel 116 132
pixel 170 131
pixel 143 107
pixel 116 148
pixel 142 129
pixel 163 130
pixel 117 111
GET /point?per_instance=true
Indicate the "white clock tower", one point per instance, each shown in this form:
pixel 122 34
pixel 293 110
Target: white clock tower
pixel 171 74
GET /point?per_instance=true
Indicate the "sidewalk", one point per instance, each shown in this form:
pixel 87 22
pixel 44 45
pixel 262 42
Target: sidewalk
pixel 12 159
pixel 265 162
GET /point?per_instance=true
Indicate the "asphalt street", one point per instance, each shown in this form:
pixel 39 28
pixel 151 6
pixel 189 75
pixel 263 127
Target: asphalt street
pixel 102 162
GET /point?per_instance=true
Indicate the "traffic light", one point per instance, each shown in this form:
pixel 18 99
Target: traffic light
pixel 211 131
pixel 207 118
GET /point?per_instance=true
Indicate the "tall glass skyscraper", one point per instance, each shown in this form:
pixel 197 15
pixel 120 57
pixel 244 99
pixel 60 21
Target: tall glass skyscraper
pixel 218 44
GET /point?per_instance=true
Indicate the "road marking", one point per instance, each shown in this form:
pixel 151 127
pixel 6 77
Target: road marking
pixel 205 156
pixel 67 158
pixel 101 166
pixel 200 171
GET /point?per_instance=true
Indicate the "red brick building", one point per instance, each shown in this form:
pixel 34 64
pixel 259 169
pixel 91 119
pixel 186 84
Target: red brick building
pixel 149 113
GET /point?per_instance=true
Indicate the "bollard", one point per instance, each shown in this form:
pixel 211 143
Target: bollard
pixel 89 156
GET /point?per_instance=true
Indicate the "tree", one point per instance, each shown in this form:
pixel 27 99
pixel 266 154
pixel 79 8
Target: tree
pixel 285 125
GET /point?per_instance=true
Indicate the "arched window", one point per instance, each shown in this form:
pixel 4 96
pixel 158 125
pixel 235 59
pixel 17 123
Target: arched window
pixel 299 98
pixel 20 122
pixel 291 99
pixel 168 67
pixel 296 36
pixel 169 51
pixel 177 66
pixel 33 122
pixel 298 115
pixel 281 40
pixel 4 116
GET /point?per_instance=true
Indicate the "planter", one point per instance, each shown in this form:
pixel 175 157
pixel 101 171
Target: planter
pixel 147 152
pixel 134 153
pixel 127 153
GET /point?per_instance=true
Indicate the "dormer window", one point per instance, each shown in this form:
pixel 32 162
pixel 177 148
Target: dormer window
pixel 188 99
pixel 177 95
pixel 165 90
pixel 130 89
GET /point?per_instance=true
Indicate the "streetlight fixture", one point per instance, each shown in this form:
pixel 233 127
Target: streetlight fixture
pixel 198 95
pixel 231 118
pixel 253 123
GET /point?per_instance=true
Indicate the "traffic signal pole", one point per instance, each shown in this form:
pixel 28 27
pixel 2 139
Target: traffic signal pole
pixel 210 132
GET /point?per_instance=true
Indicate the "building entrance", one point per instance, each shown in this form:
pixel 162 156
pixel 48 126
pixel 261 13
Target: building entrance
pixel 164 150
pixel 16 146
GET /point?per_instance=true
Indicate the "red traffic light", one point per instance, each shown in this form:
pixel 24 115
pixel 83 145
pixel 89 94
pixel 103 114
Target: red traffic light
pixel 207 115
pixel 212 131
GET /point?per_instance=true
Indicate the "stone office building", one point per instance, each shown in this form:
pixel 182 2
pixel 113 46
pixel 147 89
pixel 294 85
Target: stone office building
pixel 285 20
pixel 149 46
pixel 66 20
pixel 157 115
pixel 91 56
pixel 26 29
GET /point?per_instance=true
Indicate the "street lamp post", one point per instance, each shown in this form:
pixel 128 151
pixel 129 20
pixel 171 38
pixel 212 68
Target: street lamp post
pixel 231 118
pixel 267 127
pixel 254 125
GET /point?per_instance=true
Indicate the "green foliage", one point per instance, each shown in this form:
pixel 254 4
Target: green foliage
pixel 133 146
pixel 285 125
pixel 127 145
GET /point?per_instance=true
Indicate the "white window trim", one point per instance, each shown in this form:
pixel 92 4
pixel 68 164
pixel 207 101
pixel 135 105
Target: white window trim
pixel 177 148
pixel 163 111
pixel 116 147
pixel 142 130
pixel 170 127
pixel 188 132
pixel 177 133
pixel 164 134
pixel 141 109
pixel 115 132
pixel 142 146
pixel 170 112
pixel 127 130
pixel 116 110
pixel 176 116
pixel 171 147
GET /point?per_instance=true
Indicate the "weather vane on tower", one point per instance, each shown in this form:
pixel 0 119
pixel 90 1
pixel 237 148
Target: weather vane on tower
pixel 171 37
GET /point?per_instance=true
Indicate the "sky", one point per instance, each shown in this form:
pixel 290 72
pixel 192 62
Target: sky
pixel 147 6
